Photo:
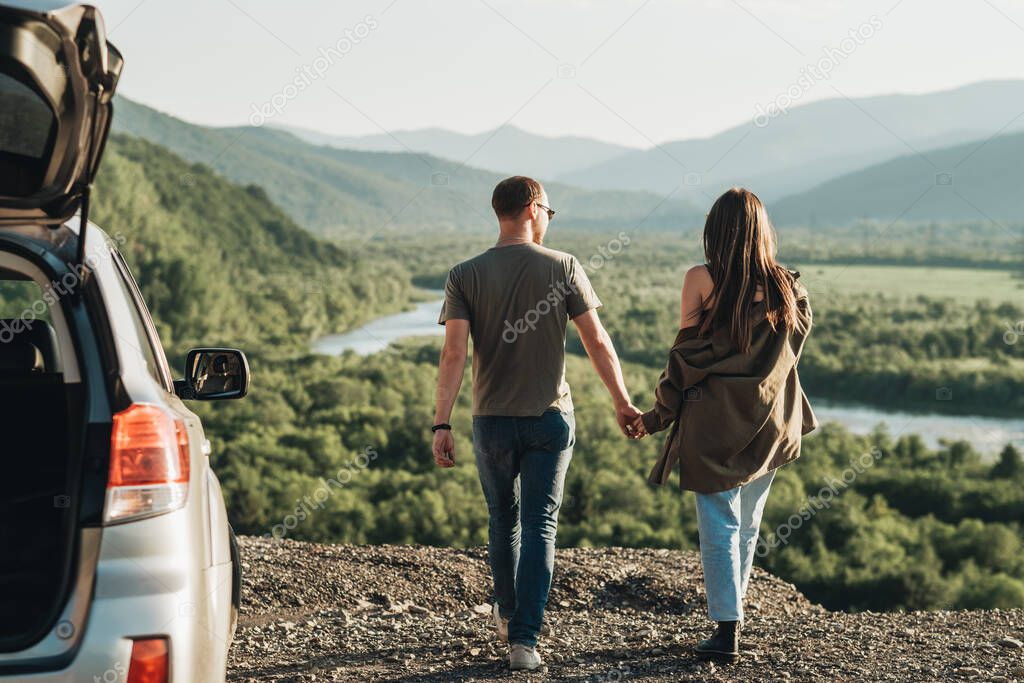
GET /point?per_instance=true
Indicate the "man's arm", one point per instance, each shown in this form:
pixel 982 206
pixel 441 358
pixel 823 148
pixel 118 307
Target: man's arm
pixel 449 381
pixel 602 355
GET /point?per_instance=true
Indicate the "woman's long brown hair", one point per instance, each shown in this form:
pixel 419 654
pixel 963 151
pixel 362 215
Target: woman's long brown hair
pixel 739 246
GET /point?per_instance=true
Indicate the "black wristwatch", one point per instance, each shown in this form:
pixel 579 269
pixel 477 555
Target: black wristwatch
pixel 443 425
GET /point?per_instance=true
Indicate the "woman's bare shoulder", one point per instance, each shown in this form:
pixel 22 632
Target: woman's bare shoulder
pixel 697 286
pixel 701 276
pixel 698 280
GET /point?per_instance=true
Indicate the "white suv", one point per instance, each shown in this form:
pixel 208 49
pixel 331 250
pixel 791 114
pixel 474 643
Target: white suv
pixel 116 558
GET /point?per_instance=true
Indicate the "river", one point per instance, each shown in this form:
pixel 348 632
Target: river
pixel 987 434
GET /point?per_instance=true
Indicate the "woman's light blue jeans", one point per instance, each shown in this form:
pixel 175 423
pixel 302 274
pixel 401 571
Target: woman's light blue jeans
pixel 728 524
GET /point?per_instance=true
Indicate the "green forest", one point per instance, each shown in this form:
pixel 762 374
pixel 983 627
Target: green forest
pixel 337 448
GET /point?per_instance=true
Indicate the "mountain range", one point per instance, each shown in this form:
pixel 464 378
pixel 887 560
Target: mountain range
pixel 508 149
pixel 812 143
pixel 356 194
pixel 949 155
pixel 776 155
pixel 977 181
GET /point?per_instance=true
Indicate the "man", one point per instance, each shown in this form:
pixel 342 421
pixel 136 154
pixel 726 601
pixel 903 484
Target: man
pixel 516 299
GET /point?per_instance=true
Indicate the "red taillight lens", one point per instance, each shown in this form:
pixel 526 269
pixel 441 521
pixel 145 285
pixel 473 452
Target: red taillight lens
pixel 149 470
pixel 149 661
pixel 147 447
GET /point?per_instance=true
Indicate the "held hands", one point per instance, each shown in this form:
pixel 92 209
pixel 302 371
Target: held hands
pixel 638 428
pixel 444 448
pixel 628 417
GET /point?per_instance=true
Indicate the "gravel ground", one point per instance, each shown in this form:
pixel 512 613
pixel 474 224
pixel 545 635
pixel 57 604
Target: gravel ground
pixel 411 613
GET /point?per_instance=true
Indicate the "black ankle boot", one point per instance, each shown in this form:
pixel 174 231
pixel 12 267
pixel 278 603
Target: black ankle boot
pixel 724 645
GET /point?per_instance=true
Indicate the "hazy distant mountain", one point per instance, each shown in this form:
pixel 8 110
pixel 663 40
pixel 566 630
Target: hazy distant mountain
pixel 978 181
pixel 358 194
pixel 508 150
pixel 811 143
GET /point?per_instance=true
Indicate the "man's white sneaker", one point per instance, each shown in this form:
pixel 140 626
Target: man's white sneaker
pixel 522 658
pixel 500 624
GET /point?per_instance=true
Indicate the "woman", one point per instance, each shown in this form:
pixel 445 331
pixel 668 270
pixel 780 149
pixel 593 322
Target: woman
pixel 732 392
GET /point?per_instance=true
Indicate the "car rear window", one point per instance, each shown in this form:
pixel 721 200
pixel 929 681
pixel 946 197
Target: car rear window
pixel 26 127
pixel 25 120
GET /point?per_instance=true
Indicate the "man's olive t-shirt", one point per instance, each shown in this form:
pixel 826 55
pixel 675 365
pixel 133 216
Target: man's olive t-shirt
pixel 518 300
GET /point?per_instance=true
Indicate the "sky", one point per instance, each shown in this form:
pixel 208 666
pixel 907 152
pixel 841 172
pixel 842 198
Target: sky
pixel 631 72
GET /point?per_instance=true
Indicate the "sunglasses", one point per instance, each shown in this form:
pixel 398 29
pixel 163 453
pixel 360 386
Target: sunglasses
pixel 551 212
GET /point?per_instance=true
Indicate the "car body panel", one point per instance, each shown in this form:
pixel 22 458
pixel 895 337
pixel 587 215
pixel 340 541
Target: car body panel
pixel 168 575
pixel 146 585
pixel 58 647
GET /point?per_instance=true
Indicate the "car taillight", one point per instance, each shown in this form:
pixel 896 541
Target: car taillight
pixel 149 661
pixel 148 464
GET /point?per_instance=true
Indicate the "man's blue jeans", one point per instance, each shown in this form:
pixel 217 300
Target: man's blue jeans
pixel 522 463
pixel 728 524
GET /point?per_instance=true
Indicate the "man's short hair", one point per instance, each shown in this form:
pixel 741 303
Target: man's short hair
pixel 514 194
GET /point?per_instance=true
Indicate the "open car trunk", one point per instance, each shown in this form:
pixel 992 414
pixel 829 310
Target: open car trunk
pixel 41 426
pixel 57 80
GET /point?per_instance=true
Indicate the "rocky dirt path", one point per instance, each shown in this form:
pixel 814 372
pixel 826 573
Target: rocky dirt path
pixel 418 614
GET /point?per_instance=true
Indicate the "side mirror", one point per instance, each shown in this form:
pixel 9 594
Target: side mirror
pixel 213 374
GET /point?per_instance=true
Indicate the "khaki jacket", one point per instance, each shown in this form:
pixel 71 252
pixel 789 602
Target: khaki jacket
pixel 735 415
